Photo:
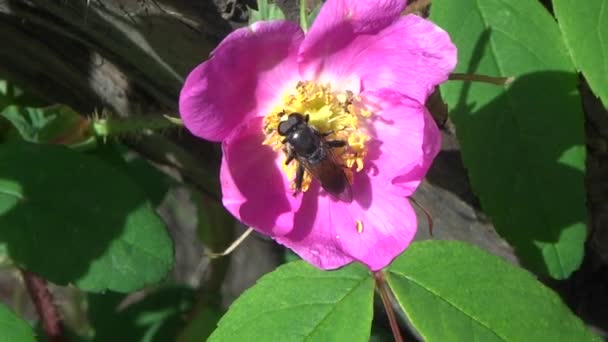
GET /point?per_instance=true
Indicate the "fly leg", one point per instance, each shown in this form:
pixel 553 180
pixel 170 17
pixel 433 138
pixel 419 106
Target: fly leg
pixel 299 179
pixel 290 156
pixel 336 143
pixel 333 143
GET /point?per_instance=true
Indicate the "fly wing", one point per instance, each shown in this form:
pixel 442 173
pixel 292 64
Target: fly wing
pixel 331 175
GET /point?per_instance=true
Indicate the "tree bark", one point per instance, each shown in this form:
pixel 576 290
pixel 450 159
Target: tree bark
pixel 128 56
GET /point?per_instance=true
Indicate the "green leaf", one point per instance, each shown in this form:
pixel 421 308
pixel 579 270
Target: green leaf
pixel 452 291
pixel 159 316
pixel 13 328
pixel 265 12
pixel 308 17
pixel 523 144
pixel 152 181
pixel 313 14
pixel 56 124
pixel 585 28
pixel 72 218
pixel 298 302
pixel 10 94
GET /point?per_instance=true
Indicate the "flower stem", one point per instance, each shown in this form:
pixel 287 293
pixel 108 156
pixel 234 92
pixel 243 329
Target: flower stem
pixel 43 300
pixel 386 301
pixel 481 78
pixel 106 127
pixel 303 19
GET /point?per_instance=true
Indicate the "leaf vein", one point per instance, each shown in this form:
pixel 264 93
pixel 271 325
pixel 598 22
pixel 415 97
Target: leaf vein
pixel 335 306
pixel 11 193
pixel 472 317
pixel 291 307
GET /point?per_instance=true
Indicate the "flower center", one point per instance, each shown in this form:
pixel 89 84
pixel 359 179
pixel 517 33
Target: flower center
pixel 337 116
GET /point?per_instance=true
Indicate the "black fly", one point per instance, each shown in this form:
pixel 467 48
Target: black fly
pixel 313 153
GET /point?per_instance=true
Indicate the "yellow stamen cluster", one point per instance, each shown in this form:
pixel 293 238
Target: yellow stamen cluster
pixel 340 113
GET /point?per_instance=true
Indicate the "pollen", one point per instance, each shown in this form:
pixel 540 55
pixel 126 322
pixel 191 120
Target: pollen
pixel 336 115
pixel 359 225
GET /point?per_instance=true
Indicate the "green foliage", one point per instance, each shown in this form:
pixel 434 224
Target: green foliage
pixel 298 302
pixel 153 182
pixel 60 124
pixel 306 18
pixel 310 18
pixel 13 328
pixel 10 94
pixel 159 316
pixel 74 219
pixel 452 291
pixel 56 124
pixel 585 28
pixel 523 145
pixel 266 11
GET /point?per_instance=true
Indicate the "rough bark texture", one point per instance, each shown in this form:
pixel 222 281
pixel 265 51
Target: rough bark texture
pixel 128 56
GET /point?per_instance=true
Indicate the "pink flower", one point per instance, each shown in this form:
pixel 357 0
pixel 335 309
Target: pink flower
pixel 362 74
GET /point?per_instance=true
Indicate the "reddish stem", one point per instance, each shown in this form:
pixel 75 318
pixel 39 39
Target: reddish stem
pixel 384 294
pixel 43 300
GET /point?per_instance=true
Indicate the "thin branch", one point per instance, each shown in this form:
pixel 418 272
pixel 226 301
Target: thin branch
pixel 481 78
pixel 232 246
pixel 384 294
pixel 429 218
pixel 43 300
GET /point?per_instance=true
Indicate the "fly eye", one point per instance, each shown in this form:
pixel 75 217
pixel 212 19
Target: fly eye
pixel 293 120
pixel 285 127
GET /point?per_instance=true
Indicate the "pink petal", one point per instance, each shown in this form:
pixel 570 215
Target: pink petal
pixel 389 224
pixel 325 231
pixel 405 141
pixel 411 56
pixel 313 236
pixel 362 16
pixel 339 22
pixel 244 75
pixel 254 189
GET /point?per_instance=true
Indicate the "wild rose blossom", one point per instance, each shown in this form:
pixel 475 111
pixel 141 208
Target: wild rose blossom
pixel 362 73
